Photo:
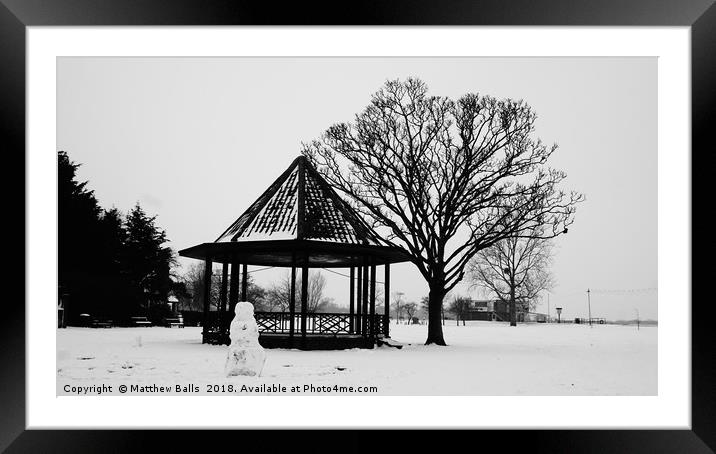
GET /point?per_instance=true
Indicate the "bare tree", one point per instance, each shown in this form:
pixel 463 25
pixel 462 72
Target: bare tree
pixel 193 278
pixel 398 304
pixel 278 296
pixel 410 309
pixel 316 285
pixel 379 299
pixel 515 269
pixel 443 178
pixel 459 306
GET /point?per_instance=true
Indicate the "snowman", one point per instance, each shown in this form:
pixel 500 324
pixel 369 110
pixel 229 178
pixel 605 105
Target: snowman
pixel 246 356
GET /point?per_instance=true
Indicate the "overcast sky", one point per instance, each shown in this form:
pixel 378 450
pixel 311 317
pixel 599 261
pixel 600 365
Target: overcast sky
pixel 196 140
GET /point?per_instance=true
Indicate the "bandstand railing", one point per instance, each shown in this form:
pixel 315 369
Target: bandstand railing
pixel 320 323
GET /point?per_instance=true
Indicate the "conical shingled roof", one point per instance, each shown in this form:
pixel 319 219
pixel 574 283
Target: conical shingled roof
pixel 301 205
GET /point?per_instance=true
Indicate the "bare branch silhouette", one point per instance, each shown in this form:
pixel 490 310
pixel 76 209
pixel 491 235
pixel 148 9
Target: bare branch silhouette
pixel 444 179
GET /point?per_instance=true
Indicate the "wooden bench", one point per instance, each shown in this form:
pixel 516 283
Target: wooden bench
pixel 174 321
pixel 140 321
pixel 100 323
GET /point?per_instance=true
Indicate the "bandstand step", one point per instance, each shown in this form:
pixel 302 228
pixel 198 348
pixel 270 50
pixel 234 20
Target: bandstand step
pixel 388 342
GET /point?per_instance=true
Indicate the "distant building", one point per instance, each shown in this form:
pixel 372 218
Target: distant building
pixel 498 310
pixel 480 310
pixel 172 302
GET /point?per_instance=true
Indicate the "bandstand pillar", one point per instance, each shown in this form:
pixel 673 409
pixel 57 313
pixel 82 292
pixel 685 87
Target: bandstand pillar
pixel 366 278
pixel 233 286
pixel 351 299
pixel 292 302
pixel 372 302
pixel 244 281
pixel 224 295
pixel 304 301
pixel 207 298
pixel 359 305
pixel 386 326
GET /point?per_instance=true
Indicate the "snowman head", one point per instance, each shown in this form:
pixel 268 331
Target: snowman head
pixel 244 310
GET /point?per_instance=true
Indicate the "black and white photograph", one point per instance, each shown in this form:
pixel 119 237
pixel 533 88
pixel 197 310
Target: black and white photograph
pixel 360 226
pixel 443 219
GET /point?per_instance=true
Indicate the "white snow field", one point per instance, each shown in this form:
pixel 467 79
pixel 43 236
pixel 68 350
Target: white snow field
pixel 483 358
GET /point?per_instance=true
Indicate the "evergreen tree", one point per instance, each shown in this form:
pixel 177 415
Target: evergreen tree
pixel 108 265
pixel 147 262
pixel 114 294
pixel 78 235
pixel 115 235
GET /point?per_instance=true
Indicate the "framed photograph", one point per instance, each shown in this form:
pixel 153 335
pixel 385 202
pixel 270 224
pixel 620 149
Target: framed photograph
pixel 465 217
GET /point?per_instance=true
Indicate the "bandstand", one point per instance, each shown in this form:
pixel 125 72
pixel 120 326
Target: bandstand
pixel 300 223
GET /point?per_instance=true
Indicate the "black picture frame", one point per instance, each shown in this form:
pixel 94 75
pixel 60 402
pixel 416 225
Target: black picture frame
pixel 700 15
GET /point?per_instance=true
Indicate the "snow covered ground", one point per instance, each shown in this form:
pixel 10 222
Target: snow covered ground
pixel 483 358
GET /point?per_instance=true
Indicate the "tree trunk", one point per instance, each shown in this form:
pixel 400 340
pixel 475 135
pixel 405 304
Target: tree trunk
pixel 513 309
pixel 435 304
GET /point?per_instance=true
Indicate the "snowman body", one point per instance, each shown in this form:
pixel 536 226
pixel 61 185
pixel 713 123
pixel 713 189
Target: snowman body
pixel 246 356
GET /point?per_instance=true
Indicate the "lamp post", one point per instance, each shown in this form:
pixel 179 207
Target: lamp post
pixel 559 314
pixel 589 305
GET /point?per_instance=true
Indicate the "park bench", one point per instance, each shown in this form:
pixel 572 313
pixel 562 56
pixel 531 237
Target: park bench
pixel 140 321
pixel 100 323
pixel 174 321
pixel 89 321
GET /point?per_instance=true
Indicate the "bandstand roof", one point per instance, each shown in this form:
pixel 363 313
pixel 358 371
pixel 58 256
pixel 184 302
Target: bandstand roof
pixel 299 219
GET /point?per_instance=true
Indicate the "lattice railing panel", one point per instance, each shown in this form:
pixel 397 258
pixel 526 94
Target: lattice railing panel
pixel 321 323
pixel 272 322
pixel 331 323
